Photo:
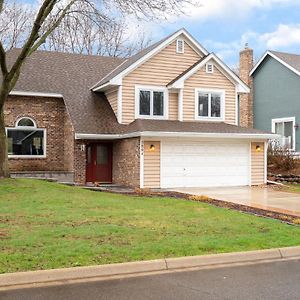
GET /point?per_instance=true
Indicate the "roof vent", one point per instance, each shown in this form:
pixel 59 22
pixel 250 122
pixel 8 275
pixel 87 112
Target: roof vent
pixel 180 46
pixel 209 68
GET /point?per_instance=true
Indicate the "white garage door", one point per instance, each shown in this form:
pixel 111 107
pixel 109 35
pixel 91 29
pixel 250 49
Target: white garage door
pixel 204 164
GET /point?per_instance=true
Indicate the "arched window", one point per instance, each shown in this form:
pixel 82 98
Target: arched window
pixel 25 139
pixel 25 122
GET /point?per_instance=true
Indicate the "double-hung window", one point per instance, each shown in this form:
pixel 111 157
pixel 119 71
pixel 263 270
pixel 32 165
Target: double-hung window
pixel 25 139
pixel 285 127
pixel 151 102
pixel 209 105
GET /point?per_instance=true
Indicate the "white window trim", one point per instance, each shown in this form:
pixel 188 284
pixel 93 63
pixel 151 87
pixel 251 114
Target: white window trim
pixel 28 128
pixel 24 117
pixel 289 119
pixel 177 46
pixel 152 89
pixel 213 119
pixel 212 68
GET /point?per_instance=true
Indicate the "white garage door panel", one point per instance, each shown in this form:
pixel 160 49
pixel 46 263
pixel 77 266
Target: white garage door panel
pixel 204 164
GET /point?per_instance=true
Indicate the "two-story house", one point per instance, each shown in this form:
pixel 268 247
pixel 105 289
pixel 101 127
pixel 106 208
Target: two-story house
pixel 165 117
pixel 275 81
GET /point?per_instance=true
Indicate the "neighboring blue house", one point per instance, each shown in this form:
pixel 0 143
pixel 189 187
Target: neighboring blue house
pixel 276 96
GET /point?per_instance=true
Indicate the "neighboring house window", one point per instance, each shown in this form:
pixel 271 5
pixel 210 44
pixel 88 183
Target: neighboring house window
pixel 285 127
pixel 209 104
pixel 151 102
pixel 209 68
pixel 25 139
pixel 180 46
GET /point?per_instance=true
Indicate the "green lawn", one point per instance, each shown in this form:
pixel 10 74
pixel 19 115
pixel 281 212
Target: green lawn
pixel 293 188
pixel 47 225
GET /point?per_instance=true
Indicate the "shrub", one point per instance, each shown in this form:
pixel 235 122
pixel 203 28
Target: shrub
pixel 281 159
pixel 199 198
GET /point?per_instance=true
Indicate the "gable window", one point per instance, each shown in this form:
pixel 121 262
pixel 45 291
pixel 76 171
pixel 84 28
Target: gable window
pixel 209 104
pixel 180 46
pixel 151 102
pixel 25 139
pixel 209 68
pixel 285 127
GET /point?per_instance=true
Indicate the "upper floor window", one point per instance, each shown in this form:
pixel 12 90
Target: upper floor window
pixel 285 127
pixel 209 68
pixel 151 102
pixel 180 46
pixel 25 139
pixel 209 104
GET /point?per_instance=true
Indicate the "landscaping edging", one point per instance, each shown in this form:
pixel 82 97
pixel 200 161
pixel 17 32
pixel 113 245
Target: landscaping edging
pixel 15 280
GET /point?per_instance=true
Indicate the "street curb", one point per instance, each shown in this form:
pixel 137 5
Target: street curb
pixel 131 268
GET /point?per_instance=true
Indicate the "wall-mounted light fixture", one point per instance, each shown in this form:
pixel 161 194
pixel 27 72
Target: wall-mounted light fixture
pixel 258 149
pixel 152 147
pixel 82 147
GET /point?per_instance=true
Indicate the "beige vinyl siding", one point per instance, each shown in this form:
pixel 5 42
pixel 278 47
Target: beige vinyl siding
pixel 257 164
pixel 158 70
pixel 215 80
pixel 151 165
pixel 173 106
pixel 112 97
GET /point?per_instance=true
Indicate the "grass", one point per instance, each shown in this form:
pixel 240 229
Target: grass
pixel 295 188
pixel 46 225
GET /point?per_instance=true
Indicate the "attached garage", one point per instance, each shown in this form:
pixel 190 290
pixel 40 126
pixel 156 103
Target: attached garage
pixel 199 164
pixel 171 163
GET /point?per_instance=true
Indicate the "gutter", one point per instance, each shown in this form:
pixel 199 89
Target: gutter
pixel 35 94
pixel 261 136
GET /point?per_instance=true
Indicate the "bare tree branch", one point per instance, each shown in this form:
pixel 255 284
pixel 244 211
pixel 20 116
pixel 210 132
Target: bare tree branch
pixel 3 60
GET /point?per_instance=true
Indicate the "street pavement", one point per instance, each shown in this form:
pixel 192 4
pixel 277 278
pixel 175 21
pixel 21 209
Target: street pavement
pixel 272 280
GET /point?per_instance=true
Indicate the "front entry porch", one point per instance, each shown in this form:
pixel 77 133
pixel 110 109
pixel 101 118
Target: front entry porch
pixel 114 161
pixel 99 158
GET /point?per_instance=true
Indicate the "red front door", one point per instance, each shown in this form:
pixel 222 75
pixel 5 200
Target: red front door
pixel 99 163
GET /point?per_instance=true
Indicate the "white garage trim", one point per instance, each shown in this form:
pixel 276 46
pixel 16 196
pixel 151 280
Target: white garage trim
pixel 233 167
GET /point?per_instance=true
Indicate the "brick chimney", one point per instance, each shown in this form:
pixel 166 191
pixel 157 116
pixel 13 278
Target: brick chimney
pixel 246 100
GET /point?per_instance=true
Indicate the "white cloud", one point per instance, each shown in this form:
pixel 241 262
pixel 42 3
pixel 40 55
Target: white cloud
pixel 208 9
pixel 284 36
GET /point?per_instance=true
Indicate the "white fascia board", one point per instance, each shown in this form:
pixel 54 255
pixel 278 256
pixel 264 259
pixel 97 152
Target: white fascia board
pixel 256 136
pixel 241 86
pixel 144 58
pixel 108 85
pixel 92 136
pixel 35 94
pixel 94 88
pixel 276 58
pixel 179 84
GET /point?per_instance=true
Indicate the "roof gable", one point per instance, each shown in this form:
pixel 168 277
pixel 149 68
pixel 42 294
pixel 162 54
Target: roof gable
pixel 179 81
pixel 115 77
pixel 290 61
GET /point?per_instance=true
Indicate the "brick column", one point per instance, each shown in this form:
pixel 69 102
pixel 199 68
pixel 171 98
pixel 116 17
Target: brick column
pixel 246 100
pixel 79 162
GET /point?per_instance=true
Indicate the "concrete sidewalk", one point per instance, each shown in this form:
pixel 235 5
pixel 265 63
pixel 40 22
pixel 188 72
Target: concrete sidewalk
pixel 258 197
pixel 21 279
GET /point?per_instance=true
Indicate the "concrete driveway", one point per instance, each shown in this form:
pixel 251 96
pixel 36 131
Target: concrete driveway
pixel 258 197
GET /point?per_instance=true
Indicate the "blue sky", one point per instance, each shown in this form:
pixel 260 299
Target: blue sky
pixel 224 26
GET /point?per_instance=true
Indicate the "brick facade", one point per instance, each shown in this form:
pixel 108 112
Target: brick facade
pixel 246 100
pixel 63 153
pixel 51 114
pixel 126 162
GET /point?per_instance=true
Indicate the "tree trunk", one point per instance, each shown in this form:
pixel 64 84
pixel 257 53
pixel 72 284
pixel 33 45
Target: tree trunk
pixel 4 171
